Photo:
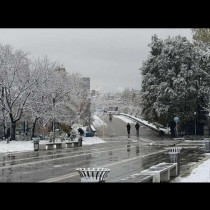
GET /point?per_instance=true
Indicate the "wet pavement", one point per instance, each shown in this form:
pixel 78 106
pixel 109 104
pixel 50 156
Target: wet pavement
pixel 124 156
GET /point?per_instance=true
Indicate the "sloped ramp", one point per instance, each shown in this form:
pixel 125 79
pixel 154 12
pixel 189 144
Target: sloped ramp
pixel 158 129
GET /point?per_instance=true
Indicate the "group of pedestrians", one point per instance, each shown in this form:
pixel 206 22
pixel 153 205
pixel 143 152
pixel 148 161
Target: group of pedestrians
pixel 129 128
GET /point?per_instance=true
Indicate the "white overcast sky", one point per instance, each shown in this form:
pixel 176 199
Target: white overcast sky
pixel 110 57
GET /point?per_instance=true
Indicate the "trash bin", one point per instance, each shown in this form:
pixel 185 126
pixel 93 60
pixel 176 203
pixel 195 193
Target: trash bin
pixel 36 143
pixel 174 153
pixel 93 174
pixel 207 145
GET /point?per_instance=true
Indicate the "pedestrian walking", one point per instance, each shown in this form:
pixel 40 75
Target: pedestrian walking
pixel 137 128
pixel 8 135
pixel 128 129
pixel 81 132
pixel 110 116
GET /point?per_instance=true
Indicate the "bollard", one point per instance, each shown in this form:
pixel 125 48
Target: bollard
pixel 207 145
pixel 174 153
pixel 93 174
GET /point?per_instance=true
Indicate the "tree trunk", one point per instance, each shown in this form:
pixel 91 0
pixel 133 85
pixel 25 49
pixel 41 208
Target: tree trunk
pixel 4 127
pixel 13 127
pixel 13 130
pixel 33 128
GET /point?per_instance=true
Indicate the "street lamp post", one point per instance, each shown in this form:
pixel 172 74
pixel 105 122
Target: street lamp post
pixel 176 119
pixel 89 110
pixel 195 122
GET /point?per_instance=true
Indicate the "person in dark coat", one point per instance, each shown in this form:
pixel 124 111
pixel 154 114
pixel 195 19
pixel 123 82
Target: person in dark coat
pixel 8 135
pixel 81 132
pixel 110 116
pixel 172 125
pixel 137 128
pixel 128 129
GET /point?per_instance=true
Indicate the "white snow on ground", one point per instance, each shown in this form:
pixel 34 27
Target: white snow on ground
pixel 20 146
pixel 16 146
pixel 98 122
pixel 199 174
pixel 92 140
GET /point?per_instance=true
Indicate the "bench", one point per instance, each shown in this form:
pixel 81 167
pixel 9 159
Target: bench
pixel 172 167
pixel 71 144
pixel 159 174
pixel 137 178
pixel 57 145
pixel 162 171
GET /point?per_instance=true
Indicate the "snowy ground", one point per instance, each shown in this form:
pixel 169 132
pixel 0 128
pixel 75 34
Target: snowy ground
pixel 98 121
pixel 200 173
pixel 20 146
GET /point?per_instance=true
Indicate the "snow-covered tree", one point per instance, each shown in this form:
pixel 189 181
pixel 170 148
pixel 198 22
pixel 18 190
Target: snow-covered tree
pixel 201 35
pixel 37 107
pixel 174 80
pixel 17 82
pixel 40 89
pixel 73 103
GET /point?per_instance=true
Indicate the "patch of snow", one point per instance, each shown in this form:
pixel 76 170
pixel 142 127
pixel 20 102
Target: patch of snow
pixel 23 146
pixel 98 122
pixel 199 174
pixel 125 119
